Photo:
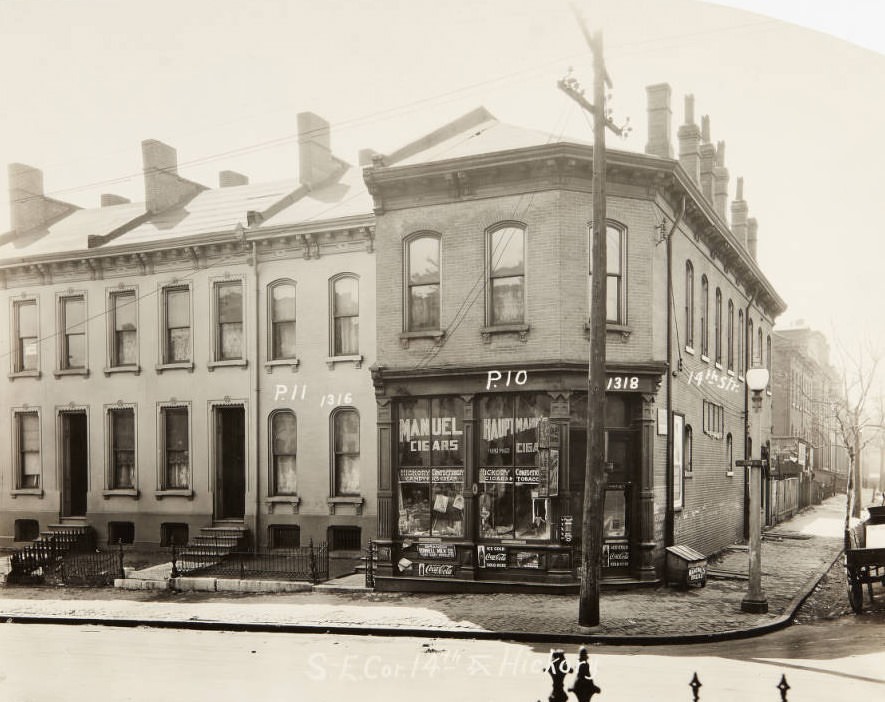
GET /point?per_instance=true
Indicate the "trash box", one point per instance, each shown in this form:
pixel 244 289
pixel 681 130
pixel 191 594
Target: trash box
pixel 686 567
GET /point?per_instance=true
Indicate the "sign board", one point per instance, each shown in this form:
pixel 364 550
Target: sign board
pixel 491 556
pixel 615 555
pixel 566 524
pixel 437 570
pixel 441 551
pixel 528 559
pixel 627 382
pixel 697 574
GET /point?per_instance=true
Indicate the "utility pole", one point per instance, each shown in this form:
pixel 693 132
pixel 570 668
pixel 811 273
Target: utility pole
pixel 594 470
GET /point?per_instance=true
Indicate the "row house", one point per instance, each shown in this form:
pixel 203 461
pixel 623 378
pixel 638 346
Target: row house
pixel 482 247
pixel 200 358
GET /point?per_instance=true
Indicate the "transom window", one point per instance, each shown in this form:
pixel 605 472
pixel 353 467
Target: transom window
pixel 345 316
pixel 506 265
pixel 282 321
pixel 423 302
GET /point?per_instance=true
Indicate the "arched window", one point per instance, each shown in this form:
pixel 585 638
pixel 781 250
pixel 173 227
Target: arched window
pixel 730 335
pixel 423 283
pixel 281 312
pixel 768 358
pixel 751 356
pixel 345 316
pixel 506 267
pixel 740 344
pixel 705 316
pixel 687 449
pixel 759 345
pixel 283 445
pixel 717 333
pixel 689 304
pixel 346 452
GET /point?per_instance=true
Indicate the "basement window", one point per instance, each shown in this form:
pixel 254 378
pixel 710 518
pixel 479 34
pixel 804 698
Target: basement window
pixel 121 532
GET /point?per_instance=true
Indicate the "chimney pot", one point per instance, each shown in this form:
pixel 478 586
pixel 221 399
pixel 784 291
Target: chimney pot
pixel 29 208
pixel 163 187
pixel 739 215
pixel 689 109
pixel 659 116
pixel 315 161
pixel 689 140
pixel 720 181
pixel 705 129
pixel 752 236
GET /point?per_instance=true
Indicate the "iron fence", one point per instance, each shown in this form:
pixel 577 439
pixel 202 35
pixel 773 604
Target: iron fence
pixel 96 569
pixel 304 563
pixel 31 564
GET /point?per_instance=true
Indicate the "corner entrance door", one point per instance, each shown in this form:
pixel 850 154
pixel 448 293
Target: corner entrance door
pixel 230 462
pixel 75 463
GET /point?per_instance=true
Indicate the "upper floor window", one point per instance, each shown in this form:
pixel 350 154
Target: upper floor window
pixel 282 320
pixel 714 419
pixel 27 450
pixel 506 265
pixel 26 335
pixel 768 358
pixel 751 354
pixel 688 449
pixel 283 452
pixel 121 431
pixel 123 327
pixel 345 316
pixel 717 332
pixel 346 452
pixel 759 345
pixel 689 304
pixel 423 295
pixel 229 321
pixel 72 313
pixel 705 316
pixel 730 343
pixel 740 343
pixel 177 324
pixel 615 273
pixel 729 454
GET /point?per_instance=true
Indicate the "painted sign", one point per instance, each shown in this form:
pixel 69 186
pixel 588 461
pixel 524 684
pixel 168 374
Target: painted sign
pixel 417 433
pixel 615 555
pixel 491 556
pixel 495 475
pixel 697 574
pixel 566 524
pixel 440 551
pixel 714 378
pixel 436 570
pixel 528 559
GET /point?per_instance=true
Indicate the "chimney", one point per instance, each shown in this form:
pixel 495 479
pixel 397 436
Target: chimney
pixel 315 160
pixel 720 181
pixel 367 157
pixel 707 159
pixel 739 214
pixel 231 179
pixel 109 200
pixel 29 208
pixel 163 187
pixel 689 141
pixel 659 120
pixel 752 236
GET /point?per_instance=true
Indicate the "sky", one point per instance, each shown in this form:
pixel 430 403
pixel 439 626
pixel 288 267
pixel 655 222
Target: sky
pixel 794 89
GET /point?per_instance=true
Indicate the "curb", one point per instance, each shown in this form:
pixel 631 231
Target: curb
pixel 780 622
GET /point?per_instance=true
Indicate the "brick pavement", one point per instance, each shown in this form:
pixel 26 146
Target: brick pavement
pixel 790 568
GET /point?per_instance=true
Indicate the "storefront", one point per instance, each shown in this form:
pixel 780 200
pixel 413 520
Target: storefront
pixel 486 489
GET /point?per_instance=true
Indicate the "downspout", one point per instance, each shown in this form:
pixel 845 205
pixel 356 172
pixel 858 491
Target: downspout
pixel 744 366
pixel 256 384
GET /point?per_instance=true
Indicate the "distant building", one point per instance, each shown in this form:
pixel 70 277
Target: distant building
pixel 806 443
pixel 482 239
pixel 197 358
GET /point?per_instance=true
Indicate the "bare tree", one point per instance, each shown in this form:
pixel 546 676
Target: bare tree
pixel 858 414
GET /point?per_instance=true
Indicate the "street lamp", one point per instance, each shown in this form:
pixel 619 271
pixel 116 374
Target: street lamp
pixel 755 602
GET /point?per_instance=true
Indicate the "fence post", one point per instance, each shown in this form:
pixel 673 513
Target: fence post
pixel 174 573
pixel 314 576
pixel 695 686
pixel 242 565
pixel 370 565
pixel 120 554
pixel 783 687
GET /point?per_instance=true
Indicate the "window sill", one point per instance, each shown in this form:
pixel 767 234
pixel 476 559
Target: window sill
pixel 718 365
pixel 611 328
pixel 729 474
pixel 24 374
pixel 275 502
pixel 406 336
pixel 292 363
pixel 84 372
pixel 121 492
pixel 134 369
pixel 354 500
pixel 182 492
pixel 689 349
pixel 235 363
pixel 521 329
pixel 162 367
pixel 33 492
pixel 705 358
pixel 356 359
pixel 688 474
pixel 730 372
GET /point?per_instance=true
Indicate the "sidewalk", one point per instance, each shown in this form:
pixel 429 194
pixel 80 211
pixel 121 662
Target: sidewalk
pixel 795 555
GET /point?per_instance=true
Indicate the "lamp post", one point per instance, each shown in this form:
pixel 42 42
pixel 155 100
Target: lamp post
pixel 755 602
